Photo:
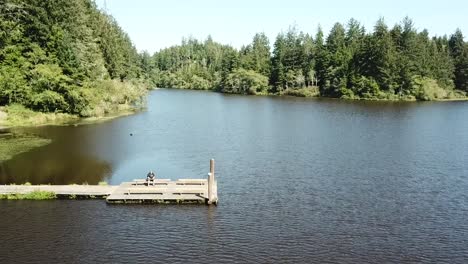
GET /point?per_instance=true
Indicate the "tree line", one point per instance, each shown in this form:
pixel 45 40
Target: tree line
pixel 66 56
pixel 350 62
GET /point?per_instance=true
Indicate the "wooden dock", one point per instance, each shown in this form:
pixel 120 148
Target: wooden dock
pixel 163 191
pixel 201 191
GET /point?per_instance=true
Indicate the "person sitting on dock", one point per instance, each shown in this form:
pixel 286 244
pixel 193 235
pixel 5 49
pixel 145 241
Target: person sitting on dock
pixel 150 177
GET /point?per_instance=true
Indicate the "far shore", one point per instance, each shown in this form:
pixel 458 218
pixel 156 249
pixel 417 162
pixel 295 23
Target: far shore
pixel 45 119
pixel 303 92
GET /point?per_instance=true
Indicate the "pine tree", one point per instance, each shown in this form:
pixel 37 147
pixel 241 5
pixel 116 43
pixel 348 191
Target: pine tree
pixel 339 61
pixel 322 60
pixel 278 71
pixel 459 52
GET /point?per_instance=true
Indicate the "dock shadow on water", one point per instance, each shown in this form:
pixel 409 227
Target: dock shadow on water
pixel 50 169
pixel 62 161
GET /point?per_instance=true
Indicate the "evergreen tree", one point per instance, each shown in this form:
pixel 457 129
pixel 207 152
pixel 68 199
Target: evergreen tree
pixel 278 76
pixel 322 60
pixel 337 69
pixel 351 63
pixel 256 56
pixel 60 56
pixel 459 52
pixel 308 61
pixel 261 54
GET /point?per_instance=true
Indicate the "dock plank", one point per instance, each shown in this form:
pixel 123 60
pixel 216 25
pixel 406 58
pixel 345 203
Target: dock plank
pixel 182 190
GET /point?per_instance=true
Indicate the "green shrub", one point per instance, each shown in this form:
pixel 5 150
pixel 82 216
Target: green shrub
pixel 366 88
pixel 110 96
pixel 49 77
pixel 427 89
pixel 13 86
pixel 347 93
pixel 35 195
pixel 199 83
pixel 49 101
pixel 245 82
pixel 17 110
pixel 302 92
pixel 77 101
pixel 18 115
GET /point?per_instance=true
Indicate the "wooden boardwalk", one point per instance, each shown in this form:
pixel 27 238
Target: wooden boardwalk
pixel 202 191
pixel 61 190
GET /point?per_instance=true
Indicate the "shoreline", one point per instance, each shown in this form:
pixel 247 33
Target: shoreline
pixel 285 94
pixel 400 100
pixel 61 119
pixel 66 119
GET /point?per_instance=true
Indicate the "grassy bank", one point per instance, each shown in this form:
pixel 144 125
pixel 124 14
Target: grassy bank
pixel 302 92
pixel 425 93
pixel 425 90
pixel 14 144
pixel 17 115
pixel 35 195
pixel 20 193
pixel 112 99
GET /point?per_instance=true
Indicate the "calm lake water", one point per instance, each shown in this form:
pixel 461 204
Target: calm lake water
pixel 299 181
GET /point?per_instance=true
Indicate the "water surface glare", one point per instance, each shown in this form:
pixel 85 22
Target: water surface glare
pixel 299 181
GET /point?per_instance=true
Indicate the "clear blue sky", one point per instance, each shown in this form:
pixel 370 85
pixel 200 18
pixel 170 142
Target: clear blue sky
pixel 156 24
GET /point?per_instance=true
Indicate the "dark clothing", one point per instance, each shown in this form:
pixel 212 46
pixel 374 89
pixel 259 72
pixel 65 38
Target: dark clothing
pixel 150 177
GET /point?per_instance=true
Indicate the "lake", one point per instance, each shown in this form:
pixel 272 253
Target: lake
pixel 299 181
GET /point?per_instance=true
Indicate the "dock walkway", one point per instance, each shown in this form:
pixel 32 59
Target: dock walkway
pixel 160 191
pixel 60 190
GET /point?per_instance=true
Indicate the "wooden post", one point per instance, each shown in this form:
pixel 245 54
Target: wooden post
pixel 211 182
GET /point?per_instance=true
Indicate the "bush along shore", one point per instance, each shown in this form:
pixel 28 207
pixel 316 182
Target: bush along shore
pixel 109 104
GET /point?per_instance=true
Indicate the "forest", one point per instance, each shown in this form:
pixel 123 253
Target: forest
pixel 397 63
pixel 66 56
